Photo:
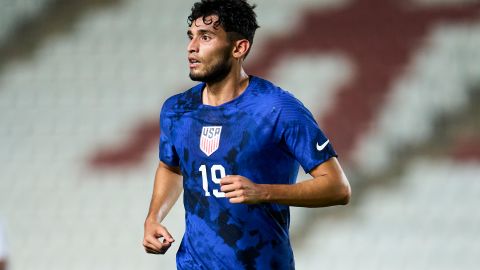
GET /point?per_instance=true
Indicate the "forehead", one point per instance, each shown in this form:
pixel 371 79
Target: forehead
pixel 209 23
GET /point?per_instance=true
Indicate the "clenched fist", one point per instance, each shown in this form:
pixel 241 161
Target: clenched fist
pixel 154 232
pixel 240 189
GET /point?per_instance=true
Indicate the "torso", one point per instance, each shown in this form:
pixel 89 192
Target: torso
pixel 236 138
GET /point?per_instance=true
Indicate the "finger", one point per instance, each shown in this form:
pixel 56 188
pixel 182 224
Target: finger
pixel 151 251
pixel 226 180
pixel 157 249
pixel 163 251
pixel 237 200
pixel 163 232
pixel 166 243
pixel 234 194
pixel 149 246
pixel 165 247
pixel 228 188
pixel 152 242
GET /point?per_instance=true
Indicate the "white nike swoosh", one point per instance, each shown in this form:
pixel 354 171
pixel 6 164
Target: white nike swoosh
pixel 320 147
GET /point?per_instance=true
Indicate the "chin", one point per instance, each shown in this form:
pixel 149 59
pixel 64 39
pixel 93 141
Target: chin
pixel 196 77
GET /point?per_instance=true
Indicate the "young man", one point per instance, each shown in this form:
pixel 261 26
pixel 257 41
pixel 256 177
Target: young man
pixel 234 143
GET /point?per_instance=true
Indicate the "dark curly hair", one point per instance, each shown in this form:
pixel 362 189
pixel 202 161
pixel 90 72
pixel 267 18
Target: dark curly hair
pixel 235 16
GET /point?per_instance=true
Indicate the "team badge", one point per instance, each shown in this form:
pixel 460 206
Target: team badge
pixel 210 139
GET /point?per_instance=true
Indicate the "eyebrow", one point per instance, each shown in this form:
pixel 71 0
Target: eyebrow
pixel 201 31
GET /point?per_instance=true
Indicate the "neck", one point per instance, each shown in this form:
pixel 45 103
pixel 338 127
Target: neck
pixel 221 92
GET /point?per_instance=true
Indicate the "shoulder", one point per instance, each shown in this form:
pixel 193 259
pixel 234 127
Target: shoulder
pixel 185 101
pixel 267 94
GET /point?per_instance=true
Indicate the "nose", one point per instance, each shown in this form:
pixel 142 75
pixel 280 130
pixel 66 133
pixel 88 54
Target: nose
pixel 192 46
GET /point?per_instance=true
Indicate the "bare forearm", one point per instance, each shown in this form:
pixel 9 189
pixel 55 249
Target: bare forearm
pixel 328 187
pixel 167 188
pixel 317 192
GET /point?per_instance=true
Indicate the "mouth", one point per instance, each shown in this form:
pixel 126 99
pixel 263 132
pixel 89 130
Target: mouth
pixel 193 62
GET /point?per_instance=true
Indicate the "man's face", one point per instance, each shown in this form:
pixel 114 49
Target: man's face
pixel 209 51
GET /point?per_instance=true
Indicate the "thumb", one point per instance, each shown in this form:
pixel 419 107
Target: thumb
pixel 162 231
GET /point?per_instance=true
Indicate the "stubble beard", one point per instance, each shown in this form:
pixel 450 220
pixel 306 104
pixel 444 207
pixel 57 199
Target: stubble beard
pixel 217 71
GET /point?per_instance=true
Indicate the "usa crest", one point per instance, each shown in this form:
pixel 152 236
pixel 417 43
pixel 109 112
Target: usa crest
pixel 210 139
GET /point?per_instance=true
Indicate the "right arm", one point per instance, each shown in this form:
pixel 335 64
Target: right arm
pixel 166 190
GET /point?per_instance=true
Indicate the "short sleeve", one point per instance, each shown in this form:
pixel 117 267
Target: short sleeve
pixel 167 152
pixel 303 138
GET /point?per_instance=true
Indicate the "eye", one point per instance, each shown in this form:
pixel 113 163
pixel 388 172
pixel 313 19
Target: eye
pixel 205 37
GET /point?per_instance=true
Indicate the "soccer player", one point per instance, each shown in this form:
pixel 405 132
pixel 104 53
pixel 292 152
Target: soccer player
pixel 234 144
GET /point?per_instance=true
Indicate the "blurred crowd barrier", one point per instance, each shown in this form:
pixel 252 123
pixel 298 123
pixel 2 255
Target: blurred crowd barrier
pixel 395 85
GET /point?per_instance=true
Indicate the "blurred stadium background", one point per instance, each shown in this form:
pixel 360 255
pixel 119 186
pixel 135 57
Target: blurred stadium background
pixel 394 84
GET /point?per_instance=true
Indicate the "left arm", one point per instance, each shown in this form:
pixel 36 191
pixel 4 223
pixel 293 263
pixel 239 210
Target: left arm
pixel 328 187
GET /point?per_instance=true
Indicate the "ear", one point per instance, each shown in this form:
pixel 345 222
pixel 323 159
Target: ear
pixel 240 48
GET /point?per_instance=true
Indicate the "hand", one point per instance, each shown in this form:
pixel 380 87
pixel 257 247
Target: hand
pixel 151 238
pixel 240 189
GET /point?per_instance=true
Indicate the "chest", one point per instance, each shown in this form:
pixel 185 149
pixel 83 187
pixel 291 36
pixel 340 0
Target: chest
pixel 221 136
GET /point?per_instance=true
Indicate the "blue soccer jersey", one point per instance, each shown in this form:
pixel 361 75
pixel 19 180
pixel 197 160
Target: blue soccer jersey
pixel 263 134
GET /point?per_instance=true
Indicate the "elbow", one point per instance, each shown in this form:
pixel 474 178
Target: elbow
pixel 344 195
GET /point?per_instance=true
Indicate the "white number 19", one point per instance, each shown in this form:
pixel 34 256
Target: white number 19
pixel 215 179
